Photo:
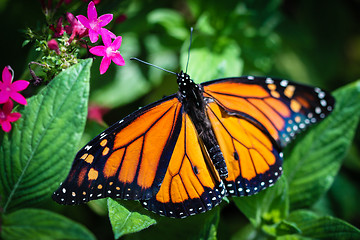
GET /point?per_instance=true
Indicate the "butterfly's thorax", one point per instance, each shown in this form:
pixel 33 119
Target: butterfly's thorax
pixel 191 96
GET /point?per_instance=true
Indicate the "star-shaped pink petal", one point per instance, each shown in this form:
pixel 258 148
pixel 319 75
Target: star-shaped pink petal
pixel 9 89
pixel 93 23
pixel 109 52
pixel 6 116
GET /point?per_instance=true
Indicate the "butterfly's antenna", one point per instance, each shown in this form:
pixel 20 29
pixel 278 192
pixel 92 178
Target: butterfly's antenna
pixel 134 58
pixel 187 63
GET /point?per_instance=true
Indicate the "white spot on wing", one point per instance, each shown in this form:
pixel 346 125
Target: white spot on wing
pixel 87 147
pixel 102 135
pixel 269 81
pixel 284 83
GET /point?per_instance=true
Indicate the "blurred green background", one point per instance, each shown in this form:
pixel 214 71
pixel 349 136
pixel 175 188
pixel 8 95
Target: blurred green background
pixel 313 42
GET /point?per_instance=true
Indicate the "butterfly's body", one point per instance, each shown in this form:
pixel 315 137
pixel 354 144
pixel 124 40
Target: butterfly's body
pixel 181 155
pixel 194 104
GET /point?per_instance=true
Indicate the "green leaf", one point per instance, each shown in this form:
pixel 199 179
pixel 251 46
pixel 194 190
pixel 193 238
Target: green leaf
pixel 247 231
pixel 343 187
pixel 209 230
pixel 322 227
pixel 213 58
pixel 36 155
pixel 171 20
pixel 267 207
pixel 99 206
pixel 41 224
pixel 286 227
pixel 293 237
pixel 316 158
pixel 124 221
pixel 201 226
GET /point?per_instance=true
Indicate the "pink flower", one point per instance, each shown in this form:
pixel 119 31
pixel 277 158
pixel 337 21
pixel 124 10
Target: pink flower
pixel 95 24
pixel 10 90
pixel 95 1
pixel 96 113
pixel 6 116
pixel 53 45
pixel 109 51
pixel 75 28
pixel 59 30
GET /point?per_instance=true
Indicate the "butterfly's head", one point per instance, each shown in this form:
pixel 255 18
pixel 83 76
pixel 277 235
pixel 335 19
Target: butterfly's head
pixel 186 85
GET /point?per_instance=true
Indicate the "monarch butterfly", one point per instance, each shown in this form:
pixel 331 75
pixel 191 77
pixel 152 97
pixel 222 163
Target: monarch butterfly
pixel 182 154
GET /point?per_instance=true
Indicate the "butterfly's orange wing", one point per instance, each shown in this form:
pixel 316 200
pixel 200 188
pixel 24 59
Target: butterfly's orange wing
pixel 128 160
pixel 252 158
pixel 280 107
pixel 191 184
pixel 253 118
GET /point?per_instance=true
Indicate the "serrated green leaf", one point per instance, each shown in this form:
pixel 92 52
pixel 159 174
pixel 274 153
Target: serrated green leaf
pixel 36 155
pixel 316 158
pixel 41 225
pixel 124 221
pixel 268 206
pixel 322 227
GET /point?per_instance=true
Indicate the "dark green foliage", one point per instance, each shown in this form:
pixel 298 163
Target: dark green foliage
pixel 30 223
pixel 304 41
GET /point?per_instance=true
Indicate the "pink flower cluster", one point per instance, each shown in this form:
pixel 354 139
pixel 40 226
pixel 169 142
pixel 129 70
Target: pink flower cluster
pixel 95 26
pixel 9 91
pixel 75 29
pixel 92 26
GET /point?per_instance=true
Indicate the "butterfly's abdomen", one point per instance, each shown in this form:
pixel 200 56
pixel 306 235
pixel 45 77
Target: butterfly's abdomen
pixel 218 160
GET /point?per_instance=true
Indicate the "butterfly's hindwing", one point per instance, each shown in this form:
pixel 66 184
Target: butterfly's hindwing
pixel 252 157
pixel 191 184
